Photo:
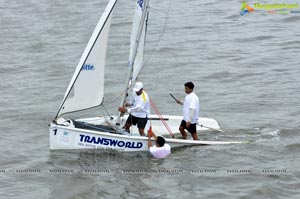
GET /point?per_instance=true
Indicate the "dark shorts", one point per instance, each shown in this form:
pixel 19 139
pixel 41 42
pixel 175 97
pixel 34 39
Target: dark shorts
pixel 191 129
pixel 141 122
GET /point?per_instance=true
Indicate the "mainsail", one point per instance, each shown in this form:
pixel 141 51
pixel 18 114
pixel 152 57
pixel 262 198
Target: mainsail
pixel 86 88
pixel 137 39
pixel 137 43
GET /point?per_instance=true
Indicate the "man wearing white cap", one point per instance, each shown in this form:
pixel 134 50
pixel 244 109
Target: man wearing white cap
pixel 139 109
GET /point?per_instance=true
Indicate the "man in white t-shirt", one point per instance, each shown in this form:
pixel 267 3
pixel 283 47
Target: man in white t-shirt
pixel 139 109
pixel 190 112
pixel 160 149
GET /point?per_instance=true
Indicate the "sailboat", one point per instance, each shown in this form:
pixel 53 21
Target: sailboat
pixel 105 132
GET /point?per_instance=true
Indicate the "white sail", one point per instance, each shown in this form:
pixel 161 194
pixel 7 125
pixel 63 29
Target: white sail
pixel 86 88
pixel 137 43
pixel 138 21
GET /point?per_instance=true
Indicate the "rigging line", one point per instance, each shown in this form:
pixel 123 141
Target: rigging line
pixel 152 8
pixel 161 118
pixel 162 33
pixel 114 100
pixel 107 113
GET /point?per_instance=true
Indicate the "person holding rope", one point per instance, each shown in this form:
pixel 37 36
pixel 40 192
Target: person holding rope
pixel 139 109
pixel 190 112
pixel 160 149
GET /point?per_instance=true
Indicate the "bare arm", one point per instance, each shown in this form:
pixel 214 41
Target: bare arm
pixel 149 141
pixel 179 102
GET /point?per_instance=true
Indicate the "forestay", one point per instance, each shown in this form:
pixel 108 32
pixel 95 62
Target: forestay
pixel 86 88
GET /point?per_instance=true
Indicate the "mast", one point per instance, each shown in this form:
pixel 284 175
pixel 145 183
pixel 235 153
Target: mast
pixel 144 4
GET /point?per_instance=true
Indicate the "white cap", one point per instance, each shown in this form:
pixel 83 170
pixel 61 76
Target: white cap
pixel 138 86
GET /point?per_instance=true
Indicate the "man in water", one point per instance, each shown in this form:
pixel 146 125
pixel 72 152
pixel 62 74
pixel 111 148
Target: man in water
pixel 160 149
pixel 139 109
pixel 190 112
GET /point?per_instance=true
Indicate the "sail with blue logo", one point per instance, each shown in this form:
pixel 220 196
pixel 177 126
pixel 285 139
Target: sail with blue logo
pixel 86 88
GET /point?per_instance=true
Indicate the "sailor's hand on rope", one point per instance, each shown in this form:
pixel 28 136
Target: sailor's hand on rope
pixel 122 109
pixel 150 133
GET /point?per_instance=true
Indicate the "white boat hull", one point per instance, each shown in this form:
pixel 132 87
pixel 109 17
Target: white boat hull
pixel 172 121
pixel 69 137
